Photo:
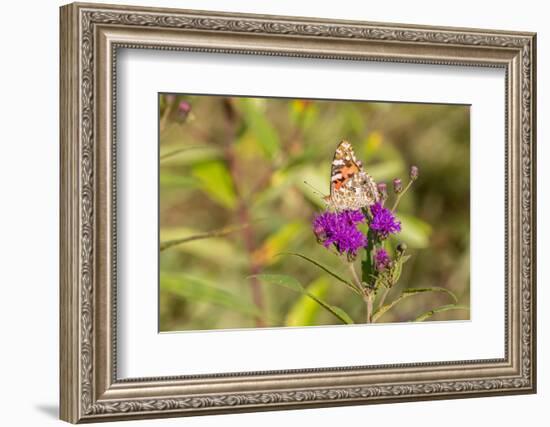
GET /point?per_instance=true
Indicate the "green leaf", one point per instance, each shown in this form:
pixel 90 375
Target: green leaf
pixel 281 280
pixel 167 244
pixel 187 155
pixel 293 284
pixel 441 309
pixel 216 181
pixel 304 312
pixel 326 270
pixel 309 178
pixel 218 250
pixel 277 242
pixel 200 290
pixel 168 179
pixel 414 291
pixel 354 119
pixel 415 232
pixel 277 189
pixel 398 268
pixel 303 115
pixel 338 312
pixel 409 292
pixel 168 153
pixel 256 121
pixel 386 171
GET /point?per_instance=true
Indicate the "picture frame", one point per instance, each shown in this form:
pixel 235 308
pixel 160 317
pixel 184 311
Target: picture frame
pixel 91 37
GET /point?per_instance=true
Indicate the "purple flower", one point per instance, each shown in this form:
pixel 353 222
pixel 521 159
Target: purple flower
pixel 340 229
pixel 381 259
pixel 383 221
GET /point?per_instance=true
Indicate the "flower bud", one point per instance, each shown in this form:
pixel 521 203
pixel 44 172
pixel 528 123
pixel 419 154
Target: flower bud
pixel 382 260
pixel 320 233
pixel 401 248
pixel 383 190
pixel 184 107
pixel 170 99
pixel 351 256
pixel 397 186
pixel 413 173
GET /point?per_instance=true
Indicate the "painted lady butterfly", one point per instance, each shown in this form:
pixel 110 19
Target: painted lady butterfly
pixel 351 188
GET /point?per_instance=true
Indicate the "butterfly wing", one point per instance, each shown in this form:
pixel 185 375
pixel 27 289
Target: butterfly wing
pixel 344 166
pixel 350 186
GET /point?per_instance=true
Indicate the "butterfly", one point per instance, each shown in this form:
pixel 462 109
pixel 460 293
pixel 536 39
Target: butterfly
pixel 351 188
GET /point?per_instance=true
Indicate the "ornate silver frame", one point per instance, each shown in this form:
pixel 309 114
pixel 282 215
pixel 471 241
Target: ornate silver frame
pixel 90 36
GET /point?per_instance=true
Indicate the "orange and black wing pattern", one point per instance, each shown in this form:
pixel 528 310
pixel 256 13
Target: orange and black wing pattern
pixel 351 187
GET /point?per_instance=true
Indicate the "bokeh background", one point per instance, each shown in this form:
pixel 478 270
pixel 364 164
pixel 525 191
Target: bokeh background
pixel 226 162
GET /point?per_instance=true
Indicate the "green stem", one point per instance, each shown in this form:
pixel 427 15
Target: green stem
pixel 232 124
pixel 356 280
pixel 180 150
pixel 216 233
pixel 383 297
pixel 369 301
pixel 401 195
pixel 165 115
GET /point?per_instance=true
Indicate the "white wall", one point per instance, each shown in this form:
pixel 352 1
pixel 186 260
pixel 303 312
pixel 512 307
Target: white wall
pixel 29 169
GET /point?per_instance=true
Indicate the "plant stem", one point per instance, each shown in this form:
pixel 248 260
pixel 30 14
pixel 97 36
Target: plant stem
pixel 180 150
pixel 383 297
pixel 248 237
pixel 165 115
pixel 369 300
pixel 209 234
pixel 354 275
pixel 243 212
pixel 401 195
pixel 255 268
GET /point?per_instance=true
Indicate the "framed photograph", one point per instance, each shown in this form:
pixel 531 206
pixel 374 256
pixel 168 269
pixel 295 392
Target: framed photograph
pixel 266 212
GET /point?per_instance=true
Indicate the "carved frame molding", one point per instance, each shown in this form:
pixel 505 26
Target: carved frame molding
pixel 90 37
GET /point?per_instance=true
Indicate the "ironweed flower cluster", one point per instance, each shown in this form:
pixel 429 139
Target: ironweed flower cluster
pixel 383 221
pixel 340 229
pixel 367 231
pixel 382 259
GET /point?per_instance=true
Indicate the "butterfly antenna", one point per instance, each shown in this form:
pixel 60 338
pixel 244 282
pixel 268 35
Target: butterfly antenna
pixel 315 190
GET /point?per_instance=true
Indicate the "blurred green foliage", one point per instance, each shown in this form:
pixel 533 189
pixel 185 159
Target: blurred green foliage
pixel 233 170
